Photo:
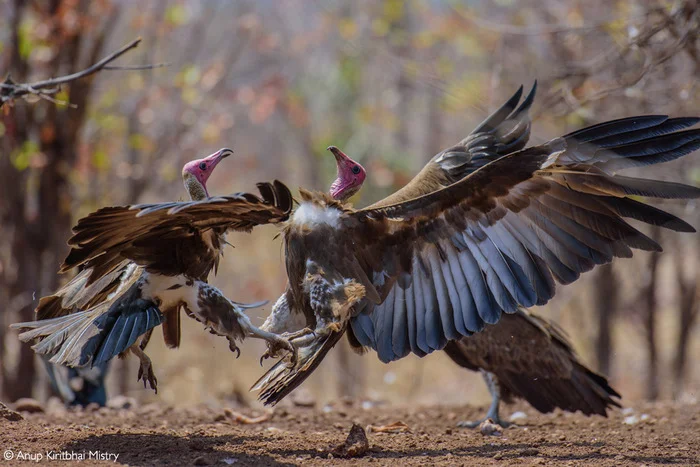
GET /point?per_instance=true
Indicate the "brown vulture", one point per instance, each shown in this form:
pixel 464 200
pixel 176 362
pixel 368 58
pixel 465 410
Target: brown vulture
pixel 138 269
pixel 525 356
pixel 487 227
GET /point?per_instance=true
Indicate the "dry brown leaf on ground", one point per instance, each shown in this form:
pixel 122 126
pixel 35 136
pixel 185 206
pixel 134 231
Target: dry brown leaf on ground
pixel 396 427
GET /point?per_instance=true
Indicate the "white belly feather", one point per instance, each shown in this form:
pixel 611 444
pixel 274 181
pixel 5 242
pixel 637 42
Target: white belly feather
pixel 171 291
pixel 310 214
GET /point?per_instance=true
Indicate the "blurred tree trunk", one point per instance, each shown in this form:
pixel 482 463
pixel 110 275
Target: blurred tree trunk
pixel 41 141
pixel 650 307
pixel 434 140
pixel 404 85
pixel 16 126
pixel 606 301
pixel 688 309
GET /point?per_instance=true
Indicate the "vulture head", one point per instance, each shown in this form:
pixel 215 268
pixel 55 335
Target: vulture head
pixel 351 176
pixel 196 173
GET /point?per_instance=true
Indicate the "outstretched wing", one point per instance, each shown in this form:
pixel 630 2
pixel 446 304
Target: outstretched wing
pixel 505 131
pixel 449 261
pixel 171 238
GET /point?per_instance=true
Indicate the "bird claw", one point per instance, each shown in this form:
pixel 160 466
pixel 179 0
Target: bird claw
pixel 280 343
pixel 477 423
pixel 234 348
pixel 148 376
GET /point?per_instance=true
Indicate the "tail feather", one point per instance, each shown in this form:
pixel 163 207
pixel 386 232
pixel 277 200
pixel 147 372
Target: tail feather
pixel 281 379
pixel 93 336
pixel 584 390
pixel 122 330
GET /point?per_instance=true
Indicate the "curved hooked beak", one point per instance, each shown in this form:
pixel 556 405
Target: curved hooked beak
pixel 339 155
pixel 222 153
pixel 218 156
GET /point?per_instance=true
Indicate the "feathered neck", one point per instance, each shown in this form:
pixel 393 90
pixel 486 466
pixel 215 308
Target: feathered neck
pixel 324 199
pixel 196 190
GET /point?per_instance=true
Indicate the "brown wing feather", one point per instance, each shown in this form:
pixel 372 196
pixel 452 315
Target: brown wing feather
pixel 169 238
pixel 533 360
pixel 504 131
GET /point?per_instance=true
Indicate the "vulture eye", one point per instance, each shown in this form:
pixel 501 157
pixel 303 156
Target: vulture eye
pixel 203 165
pixel 356 169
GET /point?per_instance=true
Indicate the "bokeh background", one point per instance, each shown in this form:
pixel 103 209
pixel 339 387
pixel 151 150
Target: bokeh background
pixel 391 83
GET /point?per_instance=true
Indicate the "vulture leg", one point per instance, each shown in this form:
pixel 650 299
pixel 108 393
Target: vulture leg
pixel 145 369
pixel 275 342
pixel 332 299
pixel 208 305
pixel 145 339
pixel 284 322
pixel 495 390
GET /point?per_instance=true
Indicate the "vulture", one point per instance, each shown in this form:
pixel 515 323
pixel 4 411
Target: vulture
pixel 79 386
pixel 487 227
pixel 523 355
pixel 527 357
pixel 138 270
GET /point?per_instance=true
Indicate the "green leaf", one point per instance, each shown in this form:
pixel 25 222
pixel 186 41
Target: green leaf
pixel 22 157
pixel 176 15
pixel 100 159
pixel 24 40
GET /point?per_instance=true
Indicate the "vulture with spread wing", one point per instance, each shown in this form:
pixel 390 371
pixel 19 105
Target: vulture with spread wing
pixel 141 264
pixel 487 227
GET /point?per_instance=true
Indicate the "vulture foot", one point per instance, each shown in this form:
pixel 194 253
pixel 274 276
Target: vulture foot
pixel 145 369
pixel 495 390
pixel 491 414
pixel 233 347
pixel 273 349
pixel 477 423
pixel 275 343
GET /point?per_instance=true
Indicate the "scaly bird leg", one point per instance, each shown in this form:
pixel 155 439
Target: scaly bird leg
pixel 493 412
pixel 275 342
pixel 145 369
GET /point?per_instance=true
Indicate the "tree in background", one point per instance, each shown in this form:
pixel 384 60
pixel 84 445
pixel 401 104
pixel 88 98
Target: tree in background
pixel 392 82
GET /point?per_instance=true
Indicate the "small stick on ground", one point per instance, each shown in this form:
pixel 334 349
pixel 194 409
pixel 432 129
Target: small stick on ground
pixel 246 420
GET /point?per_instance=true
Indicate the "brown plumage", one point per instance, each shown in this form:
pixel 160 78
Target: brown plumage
pixel 527 357
pixel 141 264
pixel 486 228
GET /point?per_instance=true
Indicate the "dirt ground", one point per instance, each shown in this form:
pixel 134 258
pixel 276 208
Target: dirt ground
pixel 155 434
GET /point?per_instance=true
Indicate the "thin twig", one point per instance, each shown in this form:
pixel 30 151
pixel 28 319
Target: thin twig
pixel 137 67
pixel 10 90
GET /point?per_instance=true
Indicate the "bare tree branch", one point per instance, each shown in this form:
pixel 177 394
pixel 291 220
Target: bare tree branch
pixel 138 67
pixel 10 90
